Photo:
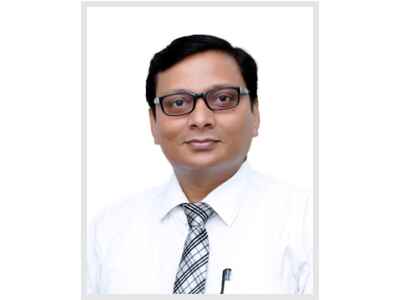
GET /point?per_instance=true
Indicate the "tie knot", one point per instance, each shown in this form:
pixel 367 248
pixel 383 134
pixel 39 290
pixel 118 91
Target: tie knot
pixel 197 213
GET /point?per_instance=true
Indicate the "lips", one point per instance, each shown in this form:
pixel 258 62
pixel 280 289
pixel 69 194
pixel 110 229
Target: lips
pixel 202 144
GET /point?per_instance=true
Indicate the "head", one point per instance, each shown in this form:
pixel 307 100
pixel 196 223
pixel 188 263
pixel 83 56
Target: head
pixel 205 138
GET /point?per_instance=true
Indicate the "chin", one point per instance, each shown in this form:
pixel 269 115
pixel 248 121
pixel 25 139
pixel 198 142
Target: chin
pixel 196 164
pixel 203 164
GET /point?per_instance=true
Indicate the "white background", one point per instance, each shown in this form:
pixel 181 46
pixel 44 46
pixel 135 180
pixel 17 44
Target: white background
pixel 122 158
pixel 40 213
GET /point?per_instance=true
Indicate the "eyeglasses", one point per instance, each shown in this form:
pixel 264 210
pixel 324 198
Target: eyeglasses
pixel 182 103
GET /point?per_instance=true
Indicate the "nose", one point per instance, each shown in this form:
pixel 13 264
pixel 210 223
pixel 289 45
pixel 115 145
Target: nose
pixel 201 116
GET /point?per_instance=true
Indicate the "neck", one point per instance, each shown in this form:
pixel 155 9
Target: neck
pixel 197 184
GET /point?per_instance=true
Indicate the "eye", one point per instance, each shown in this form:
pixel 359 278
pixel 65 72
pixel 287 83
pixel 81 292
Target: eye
pixel 178 103
pixel 224 98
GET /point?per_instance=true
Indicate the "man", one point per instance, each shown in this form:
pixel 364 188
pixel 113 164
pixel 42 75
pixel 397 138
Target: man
pixel 216 226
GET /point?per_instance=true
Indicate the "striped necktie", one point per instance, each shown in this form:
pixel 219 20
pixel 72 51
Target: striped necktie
pixel 192 273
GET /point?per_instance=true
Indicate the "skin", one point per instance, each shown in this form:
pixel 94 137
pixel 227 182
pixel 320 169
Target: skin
pixel 201 171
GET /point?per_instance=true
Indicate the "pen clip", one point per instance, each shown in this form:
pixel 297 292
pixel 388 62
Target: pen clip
pixel 226 275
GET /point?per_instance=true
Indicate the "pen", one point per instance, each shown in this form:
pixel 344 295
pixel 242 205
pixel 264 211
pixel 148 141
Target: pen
pixel 226 275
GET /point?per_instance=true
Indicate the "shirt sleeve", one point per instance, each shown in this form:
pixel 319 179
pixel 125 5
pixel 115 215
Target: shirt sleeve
pixel 92 262
pixel 297 276
pixel 306 273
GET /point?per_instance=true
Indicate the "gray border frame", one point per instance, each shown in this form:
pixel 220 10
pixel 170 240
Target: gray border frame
pixel 84 7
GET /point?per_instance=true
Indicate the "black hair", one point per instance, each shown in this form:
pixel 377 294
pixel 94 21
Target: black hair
pixel 185 46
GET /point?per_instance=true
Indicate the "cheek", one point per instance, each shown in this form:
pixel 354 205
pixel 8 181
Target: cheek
pixel 238 133
pixel 170 133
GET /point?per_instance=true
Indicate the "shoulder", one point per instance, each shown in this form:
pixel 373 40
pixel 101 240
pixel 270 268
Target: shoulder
pixel 271 188
pixel 135 209
pixel 288 207
pixel 280 200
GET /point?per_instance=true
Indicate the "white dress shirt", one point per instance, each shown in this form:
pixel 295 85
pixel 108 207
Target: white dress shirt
pixel 262 230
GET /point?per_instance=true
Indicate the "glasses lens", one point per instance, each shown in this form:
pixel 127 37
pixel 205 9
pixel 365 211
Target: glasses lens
pixel 177 104
pixel 224 98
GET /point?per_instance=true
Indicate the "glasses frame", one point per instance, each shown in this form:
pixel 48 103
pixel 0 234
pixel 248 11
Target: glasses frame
pixel 242 91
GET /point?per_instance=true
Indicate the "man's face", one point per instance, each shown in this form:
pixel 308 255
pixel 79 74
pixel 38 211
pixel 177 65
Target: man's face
pixel 204 139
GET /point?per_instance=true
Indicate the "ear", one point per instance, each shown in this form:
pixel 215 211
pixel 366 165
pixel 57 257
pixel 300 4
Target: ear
pixel 153 126
pixel 256 118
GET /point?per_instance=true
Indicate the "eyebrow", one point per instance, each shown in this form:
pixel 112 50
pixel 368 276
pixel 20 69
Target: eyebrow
pixel 214 86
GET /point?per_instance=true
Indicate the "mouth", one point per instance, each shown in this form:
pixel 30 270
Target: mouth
pixel 202 144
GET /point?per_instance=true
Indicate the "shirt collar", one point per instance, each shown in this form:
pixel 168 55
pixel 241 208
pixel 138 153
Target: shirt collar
pixel 225 199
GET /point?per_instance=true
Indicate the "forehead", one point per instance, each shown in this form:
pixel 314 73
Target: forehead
pixel 199 72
